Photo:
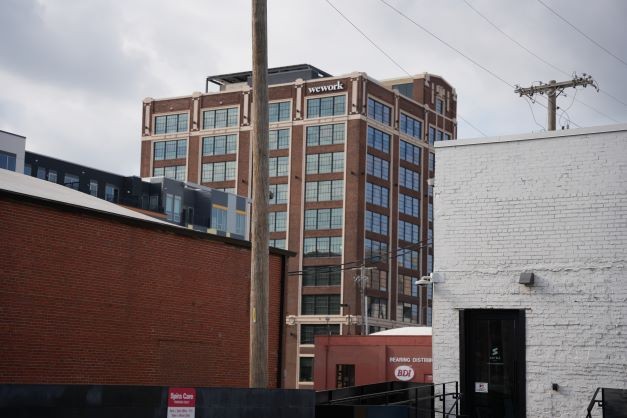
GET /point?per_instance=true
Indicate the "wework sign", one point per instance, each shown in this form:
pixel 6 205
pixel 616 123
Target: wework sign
pixel 329 87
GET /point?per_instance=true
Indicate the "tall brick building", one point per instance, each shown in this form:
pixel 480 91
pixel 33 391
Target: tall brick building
pixel 350 158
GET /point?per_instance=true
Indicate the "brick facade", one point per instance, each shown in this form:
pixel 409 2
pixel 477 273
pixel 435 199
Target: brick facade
pixel 554 204
pixel 91 298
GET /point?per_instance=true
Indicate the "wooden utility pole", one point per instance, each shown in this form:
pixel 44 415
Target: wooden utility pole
pixel 258 368
pixel 361 279
pixel 554 89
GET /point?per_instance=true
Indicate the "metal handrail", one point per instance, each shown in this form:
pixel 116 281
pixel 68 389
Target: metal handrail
pixel 594 402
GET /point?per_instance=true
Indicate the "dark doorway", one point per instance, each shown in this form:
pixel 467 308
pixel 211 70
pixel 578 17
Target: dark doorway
pixel 344 375
pixel 492 363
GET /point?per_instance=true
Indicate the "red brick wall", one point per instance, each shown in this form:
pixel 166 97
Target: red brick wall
pixel 88 298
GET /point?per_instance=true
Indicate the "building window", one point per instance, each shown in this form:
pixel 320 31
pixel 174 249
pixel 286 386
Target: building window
pixel 447 137
pixel 430 190
pixel 170 150
pixel 376 222
pixel 378 140
pixel 71 181
pixel 344 375
pixel 406 89
pixel 407 285
pixel 377 307
pixel 431 161
pixel 408 205
pixel 326 106
pixel 439 106
pixel 309 332
pixel 240 224
pixel 408 231
pixel 320 304
pixel 219 145
pixel 277 243
pixel 431 135
pixel 28 169
pixel 278 166
pixel 407 312
pixel 220 118
pixel 377 167
pixel 377 195
pixel 93 187
pixel 171 123
pixel 305 369
pixel 438 135
pixel 378 111
pixel 332 162
pixel 322 276
pixel 322 247
pixel 111 193
pixel 41 173
pixel 410 126
pixel 278 112
pixel 407 258
pixel 429 263
pixel 52 176
pixel 409 179
pixel 409 152
pixel 375 251
pixel 221 171
pixel 8 160
pixel 176 172
pixel 279 139
pixel 430 211
pixel 218 217
pixel 321 191
pixel 278 194
pixel 325 134
pixel 277 221
pixel 378 279
pixel 316 219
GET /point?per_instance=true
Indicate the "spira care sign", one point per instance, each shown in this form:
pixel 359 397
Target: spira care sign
pixel 404 373
pixel 329 87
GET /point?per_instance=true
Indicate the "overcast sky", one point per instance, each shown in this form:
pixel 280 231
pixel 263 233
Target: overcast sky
pixel 73 73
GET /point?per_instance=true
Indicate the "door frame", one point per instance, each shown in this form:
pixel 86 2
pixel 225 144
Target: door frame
pixel 465 318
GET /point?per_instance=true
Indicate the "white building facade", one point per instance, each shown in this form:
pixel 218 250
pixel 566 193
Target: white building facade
pixel 12 149
pixel 547 208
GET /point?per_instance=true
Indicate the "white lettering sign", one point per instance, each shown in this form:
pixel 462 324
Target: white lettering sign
pixel 330 87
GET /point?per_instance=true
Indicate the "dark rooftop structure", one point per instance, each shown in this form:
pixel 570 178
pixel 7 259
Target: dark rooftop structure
pixel 276 75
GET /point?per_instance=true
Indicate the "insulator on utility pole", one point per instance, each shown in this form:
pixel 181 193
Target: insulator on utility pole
pixel 554 89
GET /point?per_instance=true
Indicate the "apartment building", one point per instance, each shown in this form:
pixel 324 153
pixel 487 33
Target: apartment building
pixel 350 160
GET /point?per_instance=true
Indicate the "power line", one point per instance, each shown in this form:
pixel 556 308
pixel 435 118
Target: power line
pixel 392 59
pixel 495 26
pixel 492 73
pixel 351 265
pixel 582 33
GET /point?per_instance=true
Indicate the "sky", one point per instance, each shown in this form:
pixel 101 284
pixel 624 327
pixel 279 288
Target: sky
pixel 74 73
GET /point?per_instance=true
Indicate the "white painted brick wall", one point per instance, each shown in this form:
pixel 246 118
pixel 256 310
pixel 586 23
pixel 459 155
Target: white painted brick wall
pixel 554 204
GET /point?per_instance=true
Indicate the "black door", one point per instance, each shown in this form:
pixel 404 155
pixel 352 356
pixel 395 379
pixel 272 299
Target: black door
pixel 492 363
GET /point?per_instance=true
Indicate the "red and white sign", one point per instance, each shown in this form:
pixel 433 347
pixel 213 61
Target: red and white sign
pixel 181 402
pixel 404 373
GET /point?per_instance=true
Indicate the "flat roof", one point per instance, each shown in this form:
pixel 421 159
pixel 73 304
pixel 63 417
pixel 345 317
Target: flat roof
pixel 242 77
pixel 532 135
pixel 11 133
pixel 412 331
pixel 44 191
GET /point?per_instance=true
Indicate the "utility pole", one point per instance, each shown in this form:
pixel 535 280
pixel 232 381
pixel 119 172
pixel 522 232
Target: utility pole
pixel 258 358
pixel 361 279
pixel 554 89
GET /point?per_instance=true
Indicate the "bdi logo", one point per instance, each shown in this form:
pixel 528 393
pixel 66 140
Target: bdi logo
pixel 404 373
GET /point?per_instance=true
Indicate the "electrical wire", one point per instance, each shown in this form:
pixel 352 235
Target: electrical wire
pixel 392 59
pixel 582 33
pixel 476 63
pixel 527 100
pixel 352 265
pixel 555 67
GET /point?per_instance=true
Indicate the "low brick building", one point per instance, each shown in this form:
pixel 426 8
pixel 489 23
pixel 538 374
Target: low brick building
pixel 530 296
pixel 93 293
